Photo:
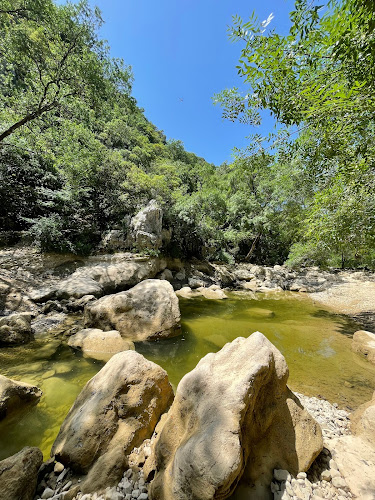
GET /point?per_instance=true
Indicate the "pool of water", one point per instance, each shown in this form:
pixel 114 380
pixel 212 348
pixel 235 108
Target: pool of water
pixel 315 342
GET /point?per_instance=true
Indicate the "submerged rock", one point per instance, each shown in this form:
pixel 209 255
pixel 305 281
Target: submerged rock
pixel 19 474
pixel 364 343
pixel 147 311
pixel 15 329
pixel 98 344
pixel 233 419
pixel 16 395
pixel 116 411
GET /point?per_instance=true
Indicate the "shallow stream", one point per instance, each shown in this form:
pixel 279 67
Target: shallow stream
pixel 315 342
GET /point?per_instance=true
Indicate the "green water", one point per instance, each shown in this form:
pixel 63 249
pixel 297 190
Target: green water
pixel 316 344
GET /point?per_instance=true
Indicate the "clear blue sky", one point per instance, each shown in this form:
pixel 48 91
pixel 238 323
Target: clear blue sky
pixel 179 49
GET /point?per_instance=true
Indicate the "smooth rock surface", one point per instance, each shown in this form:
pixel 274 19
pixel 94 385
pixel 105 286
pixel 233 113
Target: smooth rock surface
pixel 116 410
pixel 16 395
pixel 364 343
pixel 98 344
pixel 363 421
pixel 233 418
pixel 119 272
pixel 19 473
pixel 147 311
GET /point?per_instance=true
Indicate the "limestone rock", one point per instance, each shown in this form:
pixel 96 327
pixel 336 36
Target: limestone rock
pixel 116 411
pixel 16 395
pixel 213 292
pixel 355 459
pixel 114 240
pixel 364 343
pixel 233 418
pixel 98 344
pixel 147 311
pixel 146 227
pixel 112 275
pixel 363 421
pixel 15 329
pixel 19 473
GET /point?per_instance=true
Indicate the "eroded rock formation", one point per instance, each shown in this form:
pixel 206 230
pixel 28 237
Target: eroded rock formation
pixel 147 311
pixel 233 421
pixel 116 411
pixel 14 396
pixel 19 473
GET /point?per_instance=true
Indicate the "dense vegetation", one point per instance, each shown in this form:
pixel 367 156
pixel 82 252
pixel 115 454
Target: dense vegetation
pixel 78 156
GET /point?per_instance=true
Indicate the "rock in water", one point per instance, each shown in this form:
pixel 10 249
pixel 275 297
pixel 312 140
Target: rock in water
pixel 147 311
pixel 364 343
pixel 15 329
pixel 19 473
pixel 233 418
pixel 98 344
pixel 146 227
pixel 16 395
pixel 116 411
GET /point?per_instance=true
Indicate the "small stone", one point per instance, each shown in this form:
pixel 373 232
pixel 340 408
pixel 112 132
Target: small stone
pixel 335 473
pixel 143 496
pixel 281 475
pixel 135 493
pixel 128 496
pixel 326 475
pixel 289 489
pixel 47 493
pixel 66 486
pixel 301 475
pixel 58 467
pixel 339 482
pixel 333 464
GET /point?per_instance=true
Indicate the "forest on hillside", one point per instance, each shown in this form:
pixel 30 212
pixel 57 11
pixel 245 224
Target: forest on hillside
pixel 78 156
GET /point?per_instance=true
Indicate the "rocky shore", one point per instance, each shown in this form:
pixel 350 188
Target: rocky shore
pixel 127 436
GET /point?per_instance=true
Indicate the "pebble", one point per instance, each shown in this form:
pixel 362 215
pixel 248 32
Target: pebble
pixel 58 468
pixel 47 493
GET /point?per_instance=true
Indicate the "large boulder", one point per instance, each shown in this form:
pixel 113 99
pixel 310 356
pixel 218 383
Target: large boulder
pixel 19 474
pixel 147 311
pixel 364 343
pixel 116 411
pixel 233 419
pixel 15 329
pixel 110 276
pixel 146 227
pixel 98 344
pixel 15 396
pixel 363 421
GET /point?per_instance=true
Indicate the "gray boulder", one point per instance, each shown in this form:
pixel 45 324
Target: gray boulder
pixel 111 275
pixel 146 227
pixel 19 474
pixel 15 329
pixel 116 411
pixel 147 311
pixel 15 396
pixel 232 422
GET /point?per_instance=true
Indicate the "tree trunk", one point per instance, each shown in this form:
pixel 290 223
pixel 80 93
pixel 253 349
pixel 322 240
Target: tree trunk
pixel 253 246
pixel 26 119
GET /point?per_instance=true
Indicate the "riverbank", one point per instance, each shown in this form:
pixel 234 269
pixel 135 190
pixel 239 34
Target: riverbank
pixel 54 290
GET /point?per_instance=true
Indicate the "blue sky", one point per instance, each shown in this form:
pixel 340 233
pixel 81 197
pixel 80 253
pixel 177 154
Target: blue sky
pixel 181 56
